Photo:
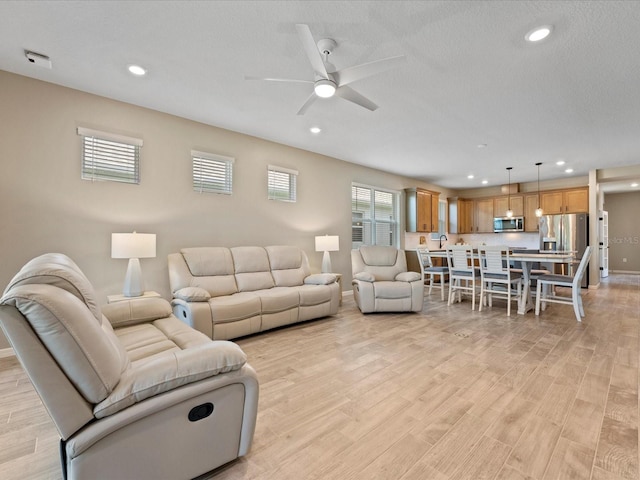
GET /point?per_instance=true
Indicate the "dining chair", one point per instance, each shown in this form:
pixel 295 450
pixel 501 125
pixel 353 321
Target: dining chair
pixel 427 268
pixel 496 276
pixel 546 293
pixel 462 273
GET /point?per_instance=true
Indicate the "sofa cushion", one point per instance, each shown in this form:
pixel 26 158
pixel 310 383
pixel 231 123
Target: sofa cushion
pixel 278 299
pixel 67 328
pixel 234 307
pixel 313 294
pixel 379 256
pixel 392 290
pixel 252 268
pixel 207 261
pixel 169 371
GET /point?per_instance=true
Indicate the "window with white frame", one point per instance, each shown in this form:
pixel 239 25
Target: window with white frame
pixel 374 216
pixel 442 220
pixel 281 183
pixel 109 156
pixel 212 173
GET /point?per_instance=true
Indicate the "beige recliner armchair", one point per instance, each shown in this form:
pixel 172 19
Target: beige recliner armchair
pixel 133 392
pixel 381 282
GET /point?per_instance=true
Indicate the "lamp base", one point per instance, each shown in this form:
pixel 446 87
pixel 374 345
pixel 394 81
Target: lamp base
pixel 326 263
pixel 133 285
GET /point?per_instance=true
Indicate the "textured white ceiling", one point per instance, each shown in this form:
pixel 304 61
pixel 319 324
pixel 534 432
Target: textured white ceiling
pixel 470 78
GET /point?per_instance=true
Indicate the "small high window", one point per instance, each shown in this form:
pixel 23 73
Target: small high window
pixel 110 157
pixel 281 183
pixel 212 173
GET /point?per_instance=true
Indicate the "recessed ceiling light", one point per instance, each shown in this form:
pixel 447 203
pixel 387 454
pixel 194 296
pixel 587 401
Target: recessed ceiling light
pixel 484 182
pixel 137 70
pixel 469 177
pixel 537 34
pixel 315 130
pixel 569 170
pixel 482 145
pixel 560 163
pixel 634 184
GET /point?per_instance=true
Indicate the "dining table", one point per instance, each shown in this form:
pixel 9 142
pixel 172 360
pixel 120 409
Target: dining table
pixel 527 260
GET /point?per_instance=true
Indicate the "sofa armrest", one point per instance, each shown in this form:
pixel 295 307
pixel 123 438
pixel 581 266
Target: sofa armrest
pixel 171 371
pixel 320 279
pixel 136 310
pixel 408 277
pixel 192 294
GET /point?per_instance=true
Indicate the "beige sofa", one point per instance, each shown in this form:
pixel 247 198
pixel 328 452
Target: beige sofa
pixel 231 292
pixel 381 282
pixel 133 391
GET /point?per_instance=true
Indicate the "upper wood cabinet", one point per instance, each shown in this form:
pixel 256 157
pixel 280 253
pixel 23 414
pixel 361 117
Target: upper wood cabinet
pixel 574 200
pixel 422 210
pixel 460 215
pixel 483 215
pixel 531 222
pixel 501 205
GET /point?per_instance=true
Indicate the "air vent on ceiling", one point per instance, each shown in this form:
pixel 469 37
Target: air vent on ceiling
pixel 38 59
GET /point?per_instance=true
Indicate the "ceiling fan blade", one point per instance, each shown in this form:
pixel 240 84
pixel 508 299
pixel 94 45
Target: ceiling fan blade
pixel 269 79
pixel 307 104
pixel 311 50
pixel 351 95
pixel 351 74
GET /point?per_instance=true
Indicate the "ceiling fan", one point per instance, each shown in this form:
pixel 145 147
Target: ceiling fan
pixel 328 81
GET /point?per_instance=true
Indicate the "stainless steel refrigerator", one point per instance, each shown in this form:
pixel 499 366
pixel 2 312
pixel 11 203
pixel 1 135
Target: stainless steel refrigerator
pixel 567 232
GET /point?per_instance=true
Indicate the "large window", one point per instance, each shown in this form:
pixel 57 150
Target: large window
pixel 111 157
pixel 374 216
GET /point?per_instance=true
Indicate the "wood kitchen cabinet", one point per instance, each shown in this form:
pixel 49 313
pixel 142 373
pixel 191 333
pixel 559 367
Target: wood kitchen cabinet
pixel 422 210
pixel 531 222
pixel 483 215
pixel 501 205
pixel 574 200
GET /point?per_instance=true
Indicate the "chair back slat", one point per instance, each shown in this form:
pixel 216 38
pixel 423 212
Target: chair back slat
pixel 582 266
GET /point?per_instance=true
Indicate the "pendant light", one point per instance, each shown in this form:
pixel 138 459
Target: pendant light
pixel 539 209
pixel 509 211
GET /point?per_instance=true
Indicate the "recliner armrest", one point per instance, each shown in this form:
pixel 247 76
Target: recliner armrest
pixel 408 277
pixel 136 310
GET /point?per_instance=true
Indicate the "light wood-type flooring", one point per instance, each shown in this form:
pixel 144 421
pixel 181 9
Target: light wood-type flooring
pixel 446 394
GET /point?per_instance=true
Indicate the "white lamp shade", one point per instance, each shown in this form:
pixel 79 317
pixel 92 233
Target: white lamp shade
pixel 327 243
pixel 133 245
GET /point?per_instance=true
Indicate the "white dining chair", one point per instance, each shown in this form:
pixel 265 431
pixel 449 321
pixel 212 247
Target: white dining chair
pixel 464 276
pixel 546 290
pixel 428 269
pixel 497 278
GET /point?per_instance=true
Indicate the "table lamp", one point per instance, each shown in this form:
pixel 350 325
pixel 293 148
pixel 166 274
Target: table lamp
pixel 326 244
pixel 133 246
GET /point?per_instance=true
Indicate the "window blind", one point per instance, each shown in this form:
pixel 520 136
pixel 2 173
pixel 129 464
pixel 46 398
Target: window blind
pixel 212 173
pixel 281 183
pixel 110 157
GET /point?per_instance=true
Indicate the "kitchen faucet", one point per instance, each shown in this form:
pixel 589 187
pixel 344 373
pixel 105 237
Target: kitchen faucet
pixel 445 238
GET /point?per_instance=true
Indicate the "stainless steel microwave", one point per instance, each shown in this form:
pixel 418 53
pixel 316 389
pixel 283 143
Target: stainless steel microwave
pixel 508 224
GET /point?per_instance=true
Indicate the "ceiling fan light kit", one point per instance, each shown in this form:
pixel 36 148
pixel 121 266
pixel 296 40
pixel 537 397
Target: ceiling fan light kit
pixel 325 88
pixel 329 82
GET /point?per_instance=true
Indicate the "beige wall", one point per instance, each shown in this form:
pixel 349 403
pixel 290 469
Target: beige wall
pixel 624 231
pixel 45 206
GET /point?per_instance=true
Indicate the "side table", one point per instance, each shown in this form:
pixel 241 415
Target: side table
pixel 120 297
